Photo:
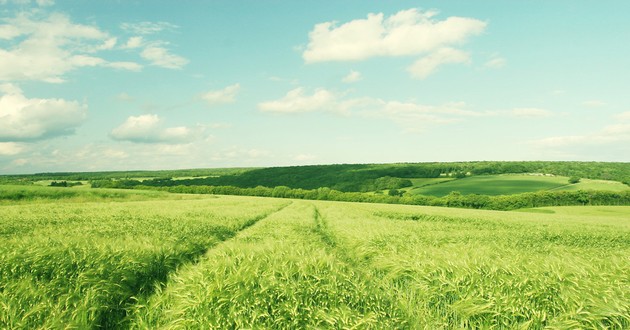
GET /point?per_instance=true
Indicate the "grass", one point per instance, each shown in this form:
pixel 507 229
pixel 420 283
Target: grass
pixel 83 265
pixel 233 262
pixel 506 184
pixel 12 194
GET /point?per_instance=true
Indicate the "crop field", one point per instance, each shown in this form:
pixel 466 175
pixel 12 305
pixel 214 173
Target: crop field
pixel 507 184
pixel 230 262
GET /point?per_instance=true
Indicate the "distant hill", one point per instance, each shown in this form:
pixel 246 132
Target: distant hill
pixel 379 177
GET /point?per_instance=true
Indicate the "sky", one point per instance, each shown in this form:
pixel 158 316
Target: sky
pixel 143 85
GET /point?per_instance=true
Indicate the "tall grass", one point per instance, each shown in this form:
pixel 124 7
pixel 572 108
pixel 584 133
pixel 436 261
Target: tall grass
pixel 451 271
pixel 254 263
pixel 84 265
pixel 279 274
pixel 12 194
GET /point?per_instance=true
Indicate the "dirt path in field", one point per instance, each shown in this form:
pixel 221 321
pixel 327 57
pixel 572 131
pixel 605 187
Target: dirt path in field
pixel 360 269
pixel 122 320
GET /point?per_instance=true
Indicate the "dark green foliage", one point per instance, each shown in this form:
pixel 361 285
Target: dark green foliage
pixel 372 177
pixel 574 180
pixel 454 199
pixel 65 184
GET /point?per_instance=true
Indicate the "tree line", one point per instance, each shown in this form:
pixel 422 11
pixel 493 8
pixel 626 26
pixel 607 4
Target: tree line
pixel 454 199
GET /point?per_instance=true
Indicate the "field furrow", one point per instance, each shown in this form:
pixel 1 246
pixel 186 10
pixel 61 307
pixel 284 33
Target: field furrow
pixel 85 265
pixel 279 274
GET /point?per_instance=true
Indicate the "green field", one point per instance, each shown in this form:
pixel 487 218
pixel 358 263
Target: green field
pixel 227 262
pixel 508 184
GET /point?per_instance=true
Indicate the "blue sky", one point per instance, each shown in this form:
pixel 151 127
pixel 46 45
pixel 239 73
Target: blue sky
pixel 115 85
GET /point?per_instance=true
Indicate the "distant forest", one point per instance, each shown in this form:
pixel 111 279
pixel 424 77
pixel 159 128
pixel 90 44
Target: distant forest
pixel 371 177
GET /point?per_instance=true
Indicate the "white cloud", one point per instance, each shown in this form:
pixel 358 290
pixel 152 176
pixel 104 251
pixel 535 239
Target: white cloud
pixel 134 42
pixel 222 96
pixel 297 101
pixel 425 66
pixel 160 56
pixel 149 129
pixel 411 116
pixel 45 47
pixel 496 62
pixel 353 76
pixel 406 33
pixel 147 27
pixel 531 113
pixel 10 148
pixel 130 66
pixel 23 119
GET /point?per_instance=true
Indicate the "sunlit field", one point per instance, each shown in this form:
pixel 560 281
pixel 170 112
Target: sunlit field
pixel 245 262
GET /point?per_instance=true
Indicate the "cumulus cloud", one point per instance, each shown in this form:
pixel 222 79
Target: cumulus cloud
pixel 425 66
pixel 45 47
pixel 222 96
pixel 134 42
pixel 297 100
pixel 162 57
pixel 351 77
pixel 24 119
pixel 407 33
pixel 150 129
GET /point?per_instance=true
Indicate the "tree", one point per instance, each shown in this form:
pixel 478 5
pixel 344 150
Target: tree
pixel 574 180
pixel 395 192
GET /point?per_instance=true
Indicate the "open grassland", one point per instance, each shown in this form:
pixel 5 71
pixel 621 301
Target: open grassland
pixel 508 184
pixel 241 262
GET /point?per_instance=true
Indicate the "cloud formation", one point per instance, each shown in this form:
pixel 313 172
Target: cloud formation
pixel 297 100
pixel 407 33
pixel 150 129
pixel 24 119
pixel 425 66
pixel 351 77
pixel 222 96
pixel 45 47
pixel 160 56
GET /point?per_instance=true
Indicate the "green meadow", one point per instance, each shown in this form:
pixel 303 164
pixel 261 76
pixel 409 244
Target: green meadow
pixel 152 260
pixel 509 184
